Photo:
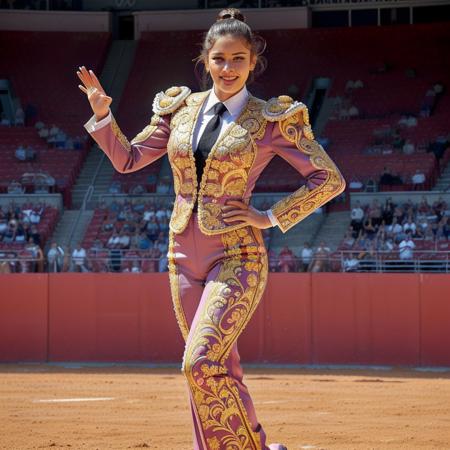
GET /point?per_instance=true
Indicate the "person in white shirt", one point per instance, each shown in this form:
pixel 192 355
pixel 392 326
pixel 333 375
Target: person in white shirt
pixel 357 216
pixel 351 263
pixel 79 259
pixel 418 177
pixel 406 248
pixel 410 226
pixel 306 256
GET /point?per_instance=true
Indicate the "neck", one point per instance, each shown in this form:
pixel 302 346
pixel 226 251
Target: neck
pixel 224 96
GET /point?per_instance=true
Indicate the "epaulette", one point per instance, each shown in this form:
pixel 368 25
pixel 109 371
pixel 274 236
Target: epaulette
pixel 169 101
pixel 282 107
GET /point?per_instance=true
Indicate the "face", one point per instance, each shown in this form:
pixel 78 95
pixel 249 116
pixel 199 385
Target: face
pixel 229 62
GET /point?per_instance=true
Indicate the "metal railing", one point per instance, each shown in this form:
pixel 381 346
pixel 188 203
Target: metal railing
pixel 119 260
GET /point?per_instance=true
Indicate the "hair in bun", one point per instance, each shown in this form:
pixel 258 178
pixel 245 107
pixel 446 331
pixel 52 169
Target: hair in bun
pixel 231 22
pixel 230 13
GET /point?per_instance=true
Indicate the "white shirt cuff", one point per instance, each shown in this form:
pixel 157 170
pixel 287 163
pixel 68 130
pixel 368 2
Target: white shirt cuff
pixel 272 218
pixel 91 125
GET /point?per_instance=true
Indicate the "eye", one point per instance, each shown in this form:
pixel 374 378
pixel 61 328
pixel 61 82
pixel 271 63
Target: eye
pixel 217 58
pixel 239 58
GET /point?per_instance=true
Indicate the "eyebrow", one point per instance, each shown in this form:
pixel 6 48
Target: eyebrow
pixel 238 53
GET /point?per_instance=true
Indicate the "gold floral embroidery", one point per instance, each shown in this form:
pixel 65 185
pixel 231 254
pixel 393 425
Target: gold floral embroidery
pixel 232 300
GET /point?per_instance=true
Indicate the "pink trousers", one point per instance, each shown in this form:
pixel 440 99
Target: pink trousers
pixel 216 284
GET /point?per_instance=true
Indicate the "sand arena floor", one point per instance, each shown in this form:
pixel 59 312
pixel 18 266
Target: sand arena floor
pixel 48 406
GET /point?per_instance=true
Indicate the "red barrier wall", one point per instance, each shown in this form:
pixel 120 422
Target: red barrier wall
pixel 325 318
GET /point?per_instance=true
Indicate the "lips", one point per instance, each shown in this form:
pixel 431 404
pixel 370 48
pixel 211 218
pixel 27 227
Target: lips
pixel 229 80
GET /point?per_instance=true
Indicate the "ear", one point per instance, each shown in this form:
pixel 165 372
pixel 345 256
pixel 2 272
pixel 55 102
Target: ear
pixel 253 60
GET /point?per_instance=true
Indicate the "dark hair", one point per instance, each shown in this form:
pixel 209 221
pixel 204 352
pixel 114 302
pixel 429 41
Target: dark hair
pixel 231 22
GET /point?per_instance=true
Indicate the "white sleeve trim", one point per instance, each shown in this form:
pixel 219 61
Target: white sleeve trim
pixel 91 125
pixel 272 218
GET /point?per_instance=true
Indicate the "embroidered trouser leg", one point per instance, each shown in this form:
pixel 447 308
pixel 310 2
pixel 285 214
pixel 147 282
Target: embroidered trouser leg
pixel 217 282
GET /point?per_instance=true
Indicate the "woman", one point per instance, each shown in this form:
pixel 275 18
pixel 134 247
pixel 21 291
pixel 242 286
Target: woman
pixel 217 260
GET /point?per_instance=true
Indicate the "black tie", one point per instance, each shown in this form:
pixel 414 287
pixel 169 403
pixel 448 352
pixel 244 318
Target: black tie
pixel 207 140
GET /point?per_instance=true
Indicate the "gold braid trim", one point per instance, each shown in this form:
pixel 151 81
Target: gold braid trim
pixel 300 204
pixel 282 107
pixel 175 289
pixel 147 131
pixel 169 101
pixel 119 135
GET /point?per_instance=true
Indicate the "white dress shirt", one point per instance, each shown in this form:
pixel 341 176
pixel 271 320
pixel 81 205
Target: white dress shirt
pixel 234 106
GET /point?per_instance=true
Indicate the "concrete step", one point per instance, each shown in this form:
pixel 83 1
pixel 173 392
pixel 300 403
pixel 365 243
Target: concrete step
pixel 296 236
pixel 333 229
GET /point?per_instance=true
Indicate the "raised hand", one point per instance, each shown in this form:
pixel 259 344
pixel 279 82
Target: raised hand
pixel 96 95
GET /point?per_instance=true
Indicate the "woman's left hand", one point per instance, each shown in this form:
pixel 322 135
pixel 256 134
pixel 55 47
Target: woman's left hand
pixel 235 210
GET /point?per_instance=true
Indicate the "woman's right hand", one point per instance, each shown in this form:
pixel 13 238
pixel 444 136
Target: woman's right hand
pixel 98 100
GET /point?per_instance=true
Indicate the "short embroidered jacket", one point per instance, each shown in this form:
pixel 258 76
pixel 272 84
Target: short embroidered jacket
pixel 263 130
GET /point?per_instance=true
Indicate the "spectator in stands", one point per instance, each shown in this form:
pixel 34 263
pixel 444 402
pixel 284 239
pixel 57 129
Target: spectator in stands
pixel 44 133
pixel 441 229
pixel 39 125
pixel 418 179
pixel 37 254
pixel 135 267
pixel 353 112
pixel 306 256
pixel 350 237
pixel 163 263
pixel 152 229
pixel 114 240
pixel 439 208
pixel 35 235
pixel 406 248
pixel 60 139
pixel 355 184
pixel 144 242
pixel 115 188
pixel 320 262
pixel 286 260
pixel 423 228
pixel 370 229
pixel 20 117
pixel 408 148
pixel 25 153
pixel 163 187
pixel 161 243
pixel 357 216
pixel 375 212
pixel 273 260
pixel 409 227
pixel 15 187
pixel 55 258
pixel 124 239
pixel 79 259
pixel 394 230
pixel 389 179
pixel 388 211
pixel 351 263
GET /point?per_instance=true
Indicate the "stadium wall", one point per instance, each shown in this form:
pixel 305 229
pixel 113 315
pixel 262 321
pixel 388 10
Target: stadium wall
pixel 323 318
pixel 30 20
